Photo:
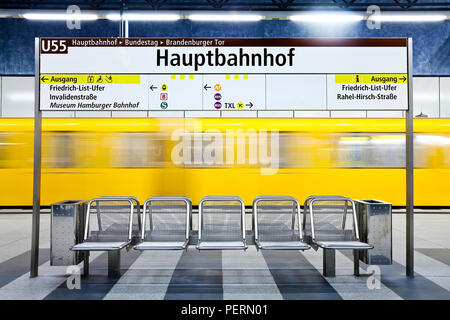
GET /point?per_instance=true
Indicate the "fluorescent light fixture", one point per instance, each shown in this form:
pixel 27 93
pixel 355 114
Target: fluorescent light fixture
pixel 407 17
pixel 60 16
pixel 144 17
pixel 113 17
pixel 225 17
pixel 327 17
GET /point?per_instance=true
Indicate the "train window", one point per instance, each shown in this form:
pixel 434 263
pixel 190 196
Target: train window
pixel 209 150
pixel 58 149
pixel 16 149
pixel 342 150
pixel 5 147
pixel 87 146
pixel 139 150
pixel 387 150
pixel 373 150
pixel 4 150
pixel 304 150
pixel 352 150
pixel 431 150
pixel 229 149
pixel 203 150
pixel 322 150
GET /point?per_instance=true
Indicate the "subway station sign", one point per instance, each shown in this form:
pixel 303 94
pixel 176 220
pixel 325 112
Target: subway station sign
pixel 114 74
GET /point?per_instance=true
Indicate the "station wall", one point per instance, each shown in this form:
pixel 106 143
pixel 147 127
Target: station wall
pixel 431 98
pixel 431 41
pixel 431 58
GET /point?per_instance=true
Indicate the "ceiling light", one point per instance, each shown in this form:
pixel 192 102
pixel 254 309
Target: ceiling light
pixel 408 17
pixel 225 17
pixel 60 16
pixel 327 17
pixel 144 17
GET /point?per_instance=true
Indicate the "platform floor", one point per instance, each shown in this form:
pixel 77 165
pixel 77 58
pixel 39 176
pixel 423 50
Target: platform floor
pixel 228 274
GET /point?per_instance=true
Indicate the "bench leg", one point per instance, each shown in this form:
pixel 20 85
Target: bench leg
pixel 356 262
pixel 114 263
pixel 86 264
pixel 329 262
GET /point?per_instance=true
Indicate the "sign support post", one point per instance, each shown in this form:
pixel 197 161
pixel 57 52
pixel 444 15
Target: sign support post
pixel 36 165
pixel 410 170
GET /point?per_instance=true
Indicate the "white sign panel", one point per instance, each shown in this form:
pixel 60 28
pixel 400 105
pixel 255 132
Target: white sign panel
pixel 223 74
pixel 99 92
pixel 175 92
pixel 234 92
pixel 297 92
pixel 367 91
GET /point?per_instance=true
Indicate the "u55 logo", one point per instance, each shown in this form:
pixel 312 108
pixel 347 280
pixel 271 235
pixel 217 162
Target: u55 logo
pixel 53 46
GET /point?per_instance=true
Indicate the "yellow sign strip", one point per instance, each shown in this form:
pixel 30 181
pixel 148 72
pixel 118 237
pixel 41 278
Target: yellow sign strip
pixel 371 78
pixel 236 76
pixel 90 79
pixel 182 76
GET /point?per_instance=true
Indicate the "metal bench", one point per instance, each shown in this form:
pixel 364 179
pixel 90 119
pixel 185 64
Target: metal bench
pixel 114 229
pixel 167 223
pixel 277 223
pixel 330 229
pixel 137 205
pixel 221 223
pixel 306 222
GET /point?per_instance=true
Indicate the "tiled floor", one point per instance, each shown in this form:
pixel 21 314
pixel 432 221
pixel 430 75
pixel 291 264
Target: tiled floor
pixel 228 274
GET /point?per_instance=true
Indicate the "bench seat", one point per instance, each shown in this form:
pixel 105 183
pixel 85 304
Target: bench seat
pixel 100 246
pixel 343 245
pixel 167 224
pixel 221 223
pixel 160 245
pixel 330 230
pixel 282 245
pixel 222 245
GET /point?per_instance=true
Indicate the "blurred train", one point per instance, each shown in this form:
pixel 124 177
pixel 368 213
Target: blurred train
pixel 358 158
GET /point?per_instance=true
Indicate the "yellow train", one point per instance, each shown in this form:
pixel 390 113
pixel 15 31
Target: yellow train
pixel 358 158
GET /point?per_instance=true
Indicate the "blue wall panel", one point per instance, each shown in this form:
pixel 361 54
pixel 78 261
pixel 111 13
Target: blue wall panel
pixel 431 41
pixel 17 40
